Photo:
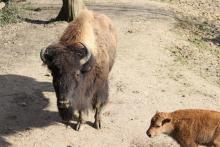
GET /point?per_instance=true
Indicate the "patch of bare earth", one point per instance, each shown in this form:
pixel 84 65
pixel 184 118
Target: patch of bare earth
pixel 145 78
pixel 198 23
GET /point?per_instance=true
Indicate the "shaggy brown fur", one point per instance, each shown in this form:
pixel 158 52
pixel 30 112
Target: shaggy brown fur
pixel 188 127
pixel 80 87
pixel 97 32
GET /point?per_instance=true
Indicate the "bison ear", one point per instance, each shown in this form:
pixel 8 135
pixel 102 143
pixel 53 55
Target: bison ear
pixel 46 56
pixel 87 66
pixel 167 120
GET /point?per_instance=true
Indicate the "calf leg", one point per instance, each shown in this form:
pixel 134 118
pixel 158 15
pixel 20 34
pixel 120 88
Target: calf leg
pixel 217 145
pixel 216 140
pixel 80 122
pixel 183 134
pixel 189 143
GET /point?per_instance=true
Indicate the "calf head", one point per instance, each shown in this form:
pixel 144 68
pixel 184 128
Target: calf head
pixel 160 123
pixel 68 65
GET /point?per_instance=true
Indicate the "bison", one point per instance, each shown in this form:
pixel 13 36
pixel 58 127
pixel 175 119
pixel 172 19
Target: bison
pixel 80 63
pixel 189 127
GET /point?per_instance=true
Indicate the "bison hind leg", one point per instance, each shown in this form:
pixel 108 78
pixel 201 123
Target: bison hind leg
pixel 80 122
pixel 100 100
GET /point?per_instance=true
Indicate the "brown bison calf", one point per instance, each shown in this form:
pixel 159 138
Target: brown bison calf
pixel 188 127
pixel 80 63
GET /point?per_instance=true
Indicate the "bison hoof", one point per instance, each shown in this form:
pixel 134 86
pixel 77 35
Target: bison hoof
pixel 97 124
pixel 79 126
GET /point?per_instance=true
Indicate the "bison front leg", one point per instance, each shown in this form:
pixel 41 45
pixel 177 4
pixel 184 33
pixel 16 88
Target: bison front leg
pixel 80 122
pixel 100 101
pixel 97 123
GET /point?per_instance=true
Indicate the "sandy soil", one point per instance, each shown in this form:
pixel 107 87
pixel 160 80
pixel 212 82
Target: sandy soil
pixel 145 78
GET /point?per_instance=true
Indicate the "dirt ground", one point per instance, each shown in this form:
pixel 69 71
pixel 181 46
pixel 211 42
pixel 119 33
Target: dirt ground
pixel 145 78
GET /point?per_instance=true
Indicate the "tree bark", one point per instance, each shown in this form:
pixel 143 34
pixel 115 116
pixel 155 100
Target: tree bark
pixel 7 2
pixel 70 10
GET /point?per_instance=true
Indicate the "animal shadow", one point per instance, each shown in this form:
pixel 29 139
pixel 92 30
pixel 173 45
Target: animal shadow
pixel 22 105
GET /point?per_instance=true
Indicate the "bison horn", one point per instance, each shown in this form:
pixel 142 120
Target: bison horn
pixel 42 56
pixel 87 57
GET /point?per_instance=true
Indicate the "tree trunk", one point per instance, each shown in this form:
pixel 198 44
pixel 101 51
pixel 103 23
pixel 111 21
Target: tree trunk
pixel 70 10
pixel 7 2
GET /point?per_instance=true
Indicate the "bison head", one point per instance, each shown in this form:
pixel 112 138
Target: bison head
pixel 69 65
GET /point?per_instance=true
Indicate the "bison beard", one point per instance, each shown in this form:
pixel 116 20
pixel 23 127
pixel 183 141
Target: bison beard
pixel 66 113
pixel 80 63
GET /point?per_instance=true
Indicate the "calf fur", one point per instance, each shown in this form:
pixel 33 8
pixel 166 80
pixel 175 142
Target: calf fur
pixel 190 128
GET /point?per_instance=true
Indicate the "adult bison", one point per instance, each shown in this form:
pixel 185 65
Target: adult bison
pixel 80 64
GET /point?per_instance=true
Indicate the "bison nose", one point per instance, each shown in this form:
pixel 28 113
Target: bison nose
pixel 148 134
pixel 63 103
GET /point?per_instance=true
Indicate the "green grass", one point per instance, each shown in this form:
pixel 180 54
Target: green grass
pixel 9 15
pixel 180 57
pixel 199 33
